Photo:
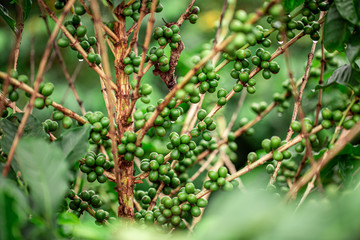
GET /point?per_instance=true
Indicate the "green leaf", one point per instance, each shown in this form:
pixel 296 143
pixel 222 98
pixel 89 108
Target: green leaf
pixel 344 75
pixel 4 13
pixel 67 218
pixel 14 209
pixel 27 5
pixel 74 143
pixel 116 3
pixel 353 49
pixel 290 5
pixel 348 10
pixel 45 170
pixel 336 31
pixel 10 125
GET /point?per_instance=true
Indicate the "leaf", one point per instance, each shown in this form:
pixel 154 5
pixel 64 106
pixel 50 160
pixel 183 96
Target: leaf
pixel 10 125
pixel 45 170
pixel 74 143
pixel 336 30
pixel 344 75
pixel 27 7
pixel 14 209
pixel 116 3
pixel 348 10
pixel 290 5
pixel 67 222
pixel 353 49
pixel 67 218
pixel 4 13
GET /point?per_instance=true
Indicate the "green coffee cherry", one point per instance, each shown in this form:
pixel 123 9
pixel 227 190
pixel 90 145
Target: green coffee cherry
pixel 275 142
pixel 39 103
pixel 48 89
pixel 278 156
pixel 81 31
pixel 296 126
pixel 63 42
pixel 66 122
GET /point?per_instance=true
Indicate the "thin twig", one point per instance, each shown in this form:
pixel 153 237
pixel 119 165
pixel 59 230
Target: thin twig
pixel 297 107
pixel 309 187
pixel 321 78
pixel 344 138
pixel 137 28
pixel 145 48
pixel 63 66
pixel 38 80
pixel 58 106
pixel 76 44
pixel 109 103
pixel 106 28
pixel 262 160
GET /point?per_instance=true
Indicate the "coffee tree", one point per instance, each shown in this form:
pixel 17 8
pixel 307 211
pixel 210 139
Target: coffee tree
pixel 153 163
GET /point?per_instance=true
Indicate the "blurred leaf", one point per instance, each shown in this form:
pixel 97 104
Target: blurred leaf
pixel 68 218
pixel 10 125
pixel 346 161
pixel 67 222
pixel 74 143
pixel 348 10
pixel 4 13
pixel 336 31
pixel 290 5
pixel 353 49
pixel 13 169
pixel 116 2
pixel 344 75
pixel 259 215
pixel 44 168
pixel 14 210
pixel 27 5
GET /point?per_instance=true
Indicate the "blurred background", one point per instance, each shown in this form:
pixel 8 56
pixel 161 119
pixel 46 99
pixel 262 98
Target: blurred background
pixel 195 37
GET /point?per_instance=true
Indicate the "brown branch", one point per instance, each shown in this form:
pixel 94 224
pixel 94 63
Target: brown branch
pixel 308 189
pixel 137 28
pixel 186 14
pixel 90 210
pixel 205 165
pixel 63 66
pixel 220 23
pixel 141 72
pixel 58 106
pixel 38 80
pixel 158 191
pixel 321 79
pixel 297 107
pixel 169 77
pixel 76 44
pixel 235 114
pixel 345 137
pixel 263 159
pixel 191 115
pixel 109 107
pixel 104 27
pixel 72 79
pixel 8 103
pixel 179 86
pixel 19 30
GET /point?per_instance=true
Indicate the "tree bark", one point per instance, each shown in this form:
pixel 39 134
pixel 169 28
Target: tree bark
pixel 125 187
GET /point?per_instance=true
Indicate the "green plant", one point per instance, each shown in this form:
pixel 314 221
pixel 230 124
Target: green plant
pixel 157 161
